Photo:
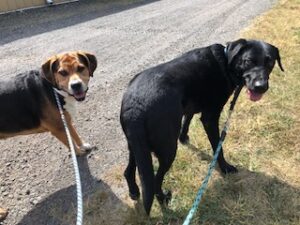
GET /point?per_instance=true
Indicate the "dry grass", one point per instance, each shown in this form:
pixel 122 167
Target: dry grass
pixel 263 141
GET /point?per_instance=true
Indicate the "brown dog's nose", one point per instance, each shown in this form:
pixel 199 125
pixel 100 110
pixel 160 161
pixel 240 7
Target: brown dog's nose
pixel 76 86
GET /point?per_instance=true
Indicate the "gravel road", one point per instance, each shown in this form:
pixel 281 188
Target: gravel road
pixel 36 176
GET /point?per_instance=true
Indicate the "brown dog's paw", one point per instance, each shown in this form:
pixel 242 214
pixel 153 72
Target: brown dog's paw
pixel 3 214
pixel 84 149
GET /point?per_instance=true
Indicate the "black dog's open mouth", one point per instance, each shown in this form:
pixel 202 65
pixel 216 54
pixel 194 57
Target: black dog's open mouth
pixel 254 96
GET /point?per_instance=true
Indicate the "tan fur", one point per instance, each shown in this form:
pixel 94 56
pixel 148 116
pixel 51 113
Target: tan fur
pixel 53 123
pixel 3 214
pixel 69 62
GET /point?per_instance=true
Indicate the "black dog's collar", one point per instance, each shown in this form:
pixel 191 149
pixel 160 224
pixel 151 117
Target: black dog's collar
pixel 225 52
pixel 235 78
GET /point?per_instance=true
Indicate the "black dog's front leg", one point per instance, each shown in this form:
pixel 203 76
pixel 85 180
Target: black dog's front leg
pixel 183 137
pixel 211 125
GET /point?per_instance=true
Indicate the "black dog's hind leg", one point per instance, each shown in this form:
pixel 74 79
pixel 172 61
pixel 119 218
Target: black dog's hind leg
pixel 165 163
pixel 184 138
pixel 210 122
pixel 129 174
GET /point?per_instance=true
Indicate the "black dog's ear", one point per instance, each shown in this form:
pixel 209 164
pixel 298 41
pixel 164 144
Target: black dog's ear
pixel 277 57
pixel 89 60
pixel 233 48
pixel 49 68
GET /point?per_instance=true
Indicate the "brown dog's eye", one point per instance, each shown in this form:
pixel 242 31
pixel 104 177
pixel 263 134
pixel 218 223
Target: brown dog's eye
pixel 80 69
pixel 64 73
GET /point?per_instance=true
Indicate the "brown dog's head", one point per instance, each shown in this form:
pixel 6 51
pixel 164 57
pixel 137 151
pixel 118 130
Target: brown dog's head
pixel 70 72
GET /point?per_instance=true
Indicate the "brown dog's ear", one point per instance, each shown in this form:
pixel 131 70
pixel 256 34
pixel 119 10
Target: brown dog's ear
pixel 233 49
pixel 49 68
pixel 89 60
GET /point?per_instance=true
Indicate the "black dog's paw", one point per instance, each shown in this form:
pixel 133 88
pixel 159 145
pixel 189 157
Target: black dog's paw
pixel 227 168
pixel 135 194
pixel 184 139
pixel 164 198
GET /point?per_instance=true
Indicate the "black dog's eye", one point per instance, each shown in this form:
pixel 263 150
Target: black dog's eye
pixel 80 69
pixel 64 73
pixel 248 62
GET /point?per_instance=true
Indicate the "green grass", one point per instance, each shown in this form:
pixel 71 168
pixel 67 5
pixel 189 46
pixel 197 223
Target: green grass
pixel 263 141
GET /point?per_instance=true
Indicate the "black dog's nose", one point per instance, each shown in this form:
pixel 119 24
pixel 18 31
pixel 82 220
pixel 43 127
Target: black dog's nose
pixel 260 86
pixel 76 86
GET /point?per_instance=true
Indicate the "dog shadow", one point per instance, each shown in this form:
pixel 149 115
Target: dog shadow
pixel 201 154
pixel 250 198
pixel 60 208
pixel 247 197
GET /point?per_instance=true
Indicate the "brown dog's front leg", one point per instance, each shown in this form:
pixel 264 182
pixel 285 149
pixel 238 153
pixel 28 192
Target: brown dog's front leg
pixel 3 214
pixel 81 147
pixel 62 136
pixel 60 133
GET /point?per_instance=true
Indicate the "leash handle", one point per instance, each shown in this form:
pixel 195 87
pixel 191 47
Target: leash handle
pixel 214 160
pixel 75 163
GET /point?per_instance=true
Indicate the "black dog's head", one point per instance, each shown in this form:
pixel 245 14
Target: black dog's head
pixel 252 62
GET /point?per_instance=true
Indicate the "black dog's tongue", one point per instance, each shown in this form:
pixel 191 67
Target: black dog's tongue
pixel 254 96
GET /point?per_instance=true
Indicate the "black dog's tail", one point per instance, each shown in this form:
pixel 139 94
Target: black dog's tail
pixel 142 154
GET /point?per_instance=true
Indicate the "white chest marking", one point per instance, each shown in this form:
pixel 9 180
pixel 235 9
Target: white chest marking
pixel 70 102
pixel 70 105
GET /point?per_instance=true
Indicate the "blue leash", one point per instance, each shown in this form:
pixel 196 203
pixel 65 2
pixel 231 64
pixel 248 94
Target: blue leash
pixel 214 161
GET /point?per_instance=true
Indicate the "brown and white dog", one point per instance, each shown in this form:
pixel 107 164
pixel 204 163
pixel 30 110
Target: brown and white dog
pixel 28 103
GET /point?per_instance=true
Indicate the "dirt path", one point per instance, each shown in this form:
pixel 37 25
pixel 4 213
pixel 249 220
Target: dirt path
pixel 36 176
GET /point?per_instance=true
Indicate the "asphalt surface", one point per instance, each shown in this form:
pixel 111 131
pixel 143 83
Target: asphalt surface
pixel 36 178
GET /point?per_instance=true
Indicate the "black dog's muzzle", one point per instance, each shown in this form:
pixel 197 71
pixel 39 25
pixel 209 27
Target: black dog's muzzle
pixel 256 83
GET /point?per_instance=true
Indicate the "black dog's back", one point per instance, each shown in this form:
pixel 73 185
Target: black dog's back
pixel 200 73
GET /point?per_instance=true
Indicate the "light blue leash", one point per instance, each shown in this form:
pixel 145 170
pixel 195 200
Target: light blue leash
pixel 214 160
pixel 75 163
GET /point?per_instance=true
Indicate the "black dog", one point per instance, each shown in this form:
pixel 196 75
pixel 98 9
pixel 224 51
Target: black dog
pixel 201 80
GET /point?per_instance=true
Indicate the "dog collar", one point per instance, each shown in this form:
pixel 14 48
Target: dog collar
pixel 232 76
pixel 225 51
pixel 61 92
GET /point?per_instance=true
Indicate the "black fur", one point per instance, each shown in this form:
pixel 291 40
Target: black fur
pixel 199 81
pixel 21 101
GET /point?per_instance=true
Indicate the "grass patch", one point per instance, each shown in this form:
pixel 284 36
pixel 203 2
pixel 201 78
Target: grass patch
pixel 263 141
